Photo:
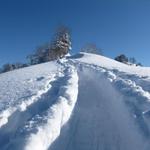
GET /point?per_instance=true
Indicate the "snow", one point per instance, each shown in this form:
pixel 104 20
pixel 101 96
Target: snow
pixel 112 64
pixel 81 102
pixel 21 88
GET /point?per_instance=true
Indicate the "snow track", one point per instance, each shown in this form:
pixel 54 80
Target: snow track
pixel 130 87
pixel 19 118
pixel 42 121
pixel 75 104
pixel 22 106
pixel 100 120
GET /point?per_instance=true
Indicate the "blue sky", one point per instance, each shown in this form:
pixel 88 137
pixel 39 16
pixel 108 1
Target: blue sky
pixel 116 26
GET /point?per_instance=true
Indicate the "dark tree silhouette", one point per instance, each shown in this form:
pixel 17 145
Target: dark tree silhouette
pixel 122 58
pixel 132 60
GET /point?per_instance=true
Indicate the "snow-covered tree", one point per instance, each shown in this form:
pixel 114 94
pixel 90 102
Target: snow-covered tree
pixel 61 43
pixel 58 48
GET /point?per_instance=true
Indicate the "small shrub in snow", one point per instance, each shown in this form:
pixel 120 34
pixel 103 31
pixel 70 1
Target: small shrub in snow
pixel 122 58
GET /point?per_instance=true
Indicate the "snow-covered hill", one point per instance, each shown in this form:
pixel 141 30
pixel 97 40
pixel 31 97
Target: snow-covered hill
pixel 83 102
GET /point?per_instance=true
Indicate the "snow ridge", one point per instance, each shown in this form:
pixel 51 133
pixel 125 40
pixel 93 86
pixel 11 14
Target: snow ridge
pixel 45 127
pixel 57 115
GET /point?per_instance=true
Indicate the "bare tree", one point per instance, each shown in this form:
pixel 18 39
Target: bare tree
pixel 32 59
pixel 40 55
pixel 91 48
pixel 7 67
pixel 132 60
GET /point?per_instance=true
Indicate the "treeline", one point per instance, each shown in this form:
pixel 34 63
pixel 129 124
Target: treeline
pixel 57 48
pixel 130 61
pixel 10 67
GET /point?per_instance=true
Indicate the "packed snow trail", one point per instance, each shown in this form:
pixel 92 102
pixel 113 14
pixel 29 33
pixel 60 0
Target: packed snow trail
pixel 100 120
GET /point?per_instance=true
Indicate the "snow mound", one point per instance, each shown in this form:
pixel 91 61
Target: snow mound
pixel 112 64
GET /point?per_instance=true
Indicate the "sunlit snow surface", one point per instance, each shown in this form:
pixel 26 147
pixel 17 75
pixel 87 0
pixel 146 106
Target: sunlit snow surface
pixel 82 102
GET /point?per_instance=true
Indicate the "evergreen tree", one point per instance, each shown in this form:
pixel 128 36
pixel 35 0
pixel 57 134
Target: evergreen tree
pixel 61 43
pixel 122 58
pixel 58 48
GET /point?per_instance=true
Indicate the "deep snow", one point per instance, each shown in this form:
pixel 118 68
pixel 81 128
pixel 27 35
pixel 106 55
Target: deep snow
pixel 83 102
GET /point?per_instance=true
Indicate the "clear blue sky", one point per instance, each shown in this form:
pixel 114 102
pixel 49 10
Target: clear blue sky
pixel 117 26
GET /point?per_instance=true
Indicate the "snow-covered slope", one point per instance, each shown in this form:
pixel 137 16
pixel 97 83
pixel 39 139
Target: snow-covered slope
pixel 83 102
